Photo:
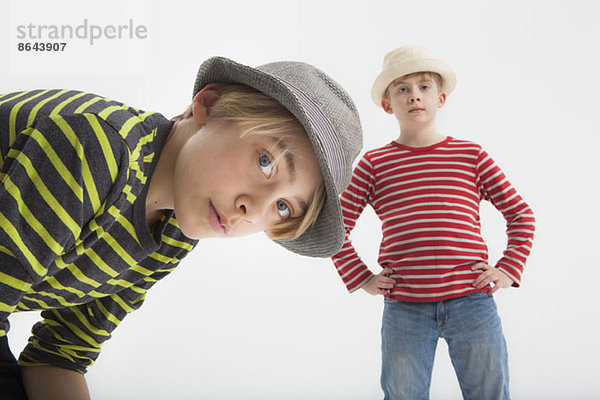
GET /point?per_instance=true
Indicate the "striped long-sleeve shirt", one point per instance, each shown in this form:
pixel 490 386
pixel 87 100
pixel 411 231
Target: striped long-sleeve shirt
pixel 74 240
pixel 428 201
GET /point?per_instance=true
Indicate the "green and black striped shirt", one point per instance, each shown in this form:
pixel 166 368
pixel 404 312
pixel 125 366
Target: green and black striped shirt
pixel 74 241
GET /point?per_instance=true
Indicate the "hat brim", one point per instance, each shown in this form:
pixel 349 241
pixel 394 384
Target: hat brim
pixel 325 236
pixel 395 71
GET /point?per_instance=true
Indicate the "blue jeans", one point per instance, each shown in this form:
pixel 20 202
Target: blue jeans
pixel 471 327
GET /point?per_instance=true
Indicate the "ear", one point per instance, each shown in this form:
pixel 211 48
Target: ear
pixel 441 100
pixel 386 104
pixel 203 102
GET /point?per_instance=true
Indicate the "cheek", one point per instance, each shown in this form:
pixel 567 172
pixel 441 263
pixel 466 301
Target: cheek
pixel 221 169
pixel 245 229
pixel 396 103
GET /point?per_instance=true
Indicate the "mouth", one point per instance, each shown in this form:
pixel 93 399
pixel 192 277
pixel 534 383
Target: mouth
pixel 416 110
pixel 217 222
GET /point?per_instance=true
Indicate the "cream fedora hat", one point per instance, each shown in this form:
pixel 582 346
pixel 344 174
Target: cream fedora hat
pixel 407 60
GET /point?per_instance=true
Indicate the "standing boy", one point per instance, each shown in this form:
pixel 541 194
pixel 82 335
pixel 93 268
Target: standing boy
pixel 99 200
pixel 426 188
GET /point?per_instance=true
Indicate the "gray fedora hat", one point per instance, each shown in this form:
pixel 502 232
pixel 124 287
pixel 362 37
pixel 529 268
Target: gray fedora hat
pixel 331 121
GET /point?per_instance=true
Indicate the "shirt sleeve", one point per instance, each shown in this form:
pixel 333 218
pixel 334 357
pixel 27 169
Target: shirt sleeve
pixel 52 182
pixel 520 222
pixel 353 271
pixel 71 337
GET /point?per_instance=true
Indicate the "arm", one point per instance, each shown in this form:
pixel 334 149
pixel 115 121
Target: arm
pixel 72 337
pixel 80 337
pixel 51 183
pixel 349 265
pixel 40 212
pixel 52 383
pixel 68 341
pixel 520 223
pixel 57 172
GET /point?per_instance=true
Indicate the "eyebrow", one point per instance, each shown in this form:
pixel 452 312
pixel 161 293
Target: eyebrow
pixel 302 204
pixel 289 157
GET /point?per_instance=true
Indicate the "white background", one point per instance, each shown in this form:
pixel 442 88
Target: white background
pixel 243 319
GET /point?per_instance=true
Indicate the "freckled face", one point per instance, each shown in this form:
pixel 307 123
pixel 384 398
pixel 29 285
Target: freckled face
pixel 226 185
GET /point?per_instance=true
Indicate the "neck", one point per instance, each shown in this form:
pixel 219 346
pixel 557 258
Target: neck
pixel 160 191
pixel 419 136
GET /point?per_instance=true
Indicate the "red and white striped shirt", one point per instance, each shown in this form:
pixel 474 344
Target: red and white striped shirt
pixel 428 201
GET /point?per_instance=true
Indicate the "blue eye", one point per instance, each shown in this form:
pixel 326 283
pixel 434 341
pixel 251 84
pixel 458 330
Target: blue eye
pixel 283 209
pixel 403 90
pixel 265 164
pixel 424 87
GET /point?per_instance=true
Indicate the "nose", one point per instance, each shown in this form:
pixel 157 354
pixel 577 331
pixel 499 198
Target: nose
pixel 414 97
pixel 250 208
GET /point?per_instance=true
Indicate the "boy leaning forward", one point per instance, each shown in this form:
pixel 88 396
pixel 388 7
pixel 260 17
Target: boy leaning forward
pixel 426 188
pixel 99 200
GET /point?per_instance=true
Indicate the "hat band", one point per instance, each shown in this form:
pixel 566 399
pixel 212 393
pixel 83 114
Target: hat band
pixel 324 134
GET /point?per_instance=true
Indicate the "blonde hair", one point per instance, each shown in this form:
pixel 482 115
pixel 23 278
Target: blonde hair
pixel 259 114
pixel 437 78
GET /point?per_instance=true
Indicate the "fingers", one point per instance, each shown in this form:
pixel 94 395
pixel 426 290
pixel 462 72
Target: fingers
pixel 380 283
pixel 385 285
pixel 481 266
pixel 383 279
pixel 383 282
pixel 483 279
pixel 492 275
pixel 375 290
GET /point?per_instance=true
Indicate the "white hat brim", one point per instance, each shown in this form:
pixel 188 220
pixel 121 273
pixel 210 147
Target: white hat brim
pixel 395 71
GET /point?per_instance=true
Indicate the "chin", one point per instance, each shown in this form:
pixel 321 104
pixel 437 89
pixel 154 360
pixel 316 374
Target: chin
pixel 193 232
pixel 192 235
